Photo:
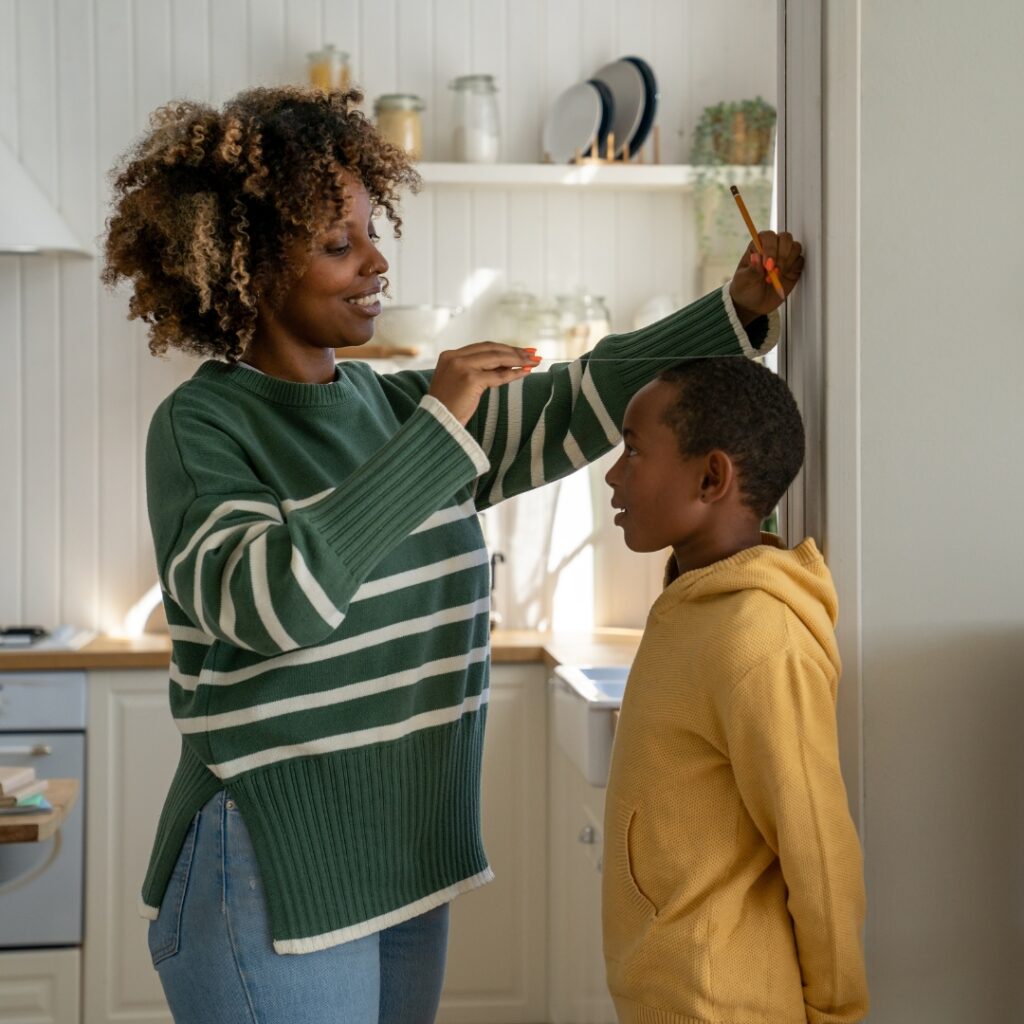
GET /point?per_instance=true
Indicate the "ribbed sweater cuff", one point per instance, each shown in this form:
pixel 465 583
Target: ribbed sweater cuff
pixel 707 327
pixel 423 465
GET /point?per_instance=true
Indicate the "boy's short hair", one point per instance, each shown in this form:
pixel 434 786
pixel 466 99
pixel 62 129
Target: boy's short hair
pixel 743 409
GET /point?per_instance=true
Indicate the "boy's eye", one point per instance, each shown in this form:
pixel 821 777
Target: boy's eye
pixel 630 450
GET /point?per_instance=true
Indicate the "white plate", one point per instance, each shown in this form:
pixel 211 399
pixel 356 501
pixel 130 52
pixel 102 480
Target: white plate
pixel 629 92
pixel 574 120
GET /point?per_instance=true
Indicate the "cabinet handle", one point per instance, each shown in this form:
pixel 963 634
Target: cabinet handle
pixel 38 750
pixel 588 835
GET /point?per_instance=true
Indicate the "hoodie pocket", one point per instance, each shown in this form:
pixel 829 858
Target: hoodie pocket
pixel 627 907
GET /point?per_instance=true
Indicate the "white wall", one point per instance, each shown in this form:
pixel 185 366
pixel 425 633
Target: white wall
pixel 942 500
pixel 77 80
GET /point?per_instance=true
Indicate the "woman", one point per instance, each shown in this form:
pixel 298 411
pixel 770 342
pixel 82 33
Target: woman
pixel 324 573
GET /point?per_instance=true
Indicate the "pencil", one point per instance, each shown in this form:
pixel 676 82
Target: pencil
pixel 773 274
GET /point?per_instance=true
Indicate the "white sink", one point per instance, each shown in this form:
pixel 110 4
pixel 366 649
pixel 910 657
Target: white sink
pixel 586 699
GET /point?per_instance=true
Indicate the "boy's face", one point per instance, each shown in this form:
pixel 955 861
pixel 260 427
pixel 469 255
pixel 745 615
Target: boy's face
pixel 655 488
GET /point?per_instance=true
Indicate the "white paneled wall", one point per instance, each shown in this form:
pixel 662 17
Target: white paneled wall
pixel 77 81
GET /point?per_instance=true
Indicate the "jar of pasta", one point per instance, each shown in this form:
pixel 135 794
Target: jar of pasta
pixel 329 69
pixel 399 121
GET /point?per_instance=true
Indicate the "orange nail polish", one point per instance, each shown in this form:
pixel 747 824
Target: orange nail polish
pixel 769 264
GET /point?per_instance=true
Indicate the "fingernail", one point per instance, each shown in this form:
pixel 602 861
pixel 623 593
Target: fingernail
pixel 755 259
pixel 530 349
pixel 769 264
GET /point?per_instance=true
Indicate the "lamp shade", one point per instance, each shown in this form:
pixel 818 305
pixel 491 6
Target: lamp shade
pixel 28 221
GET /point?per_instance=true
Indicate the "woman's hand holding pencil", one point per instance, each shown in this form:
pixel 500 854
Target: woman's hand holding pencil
pixel 752 289
pixel 770 258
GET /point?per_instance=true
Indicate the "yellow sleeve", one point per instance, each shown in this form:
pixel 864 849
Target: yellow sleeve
pixel 780 727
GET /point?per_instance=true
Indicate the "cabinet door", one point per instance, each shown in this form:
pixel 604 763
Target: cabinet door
pixel 133 751
pixel 578 993
pixel 39 986
pixel 497 953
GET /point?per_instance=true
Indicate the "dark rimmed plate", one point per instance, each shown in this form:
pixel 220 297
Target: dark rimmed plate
pixel 643 129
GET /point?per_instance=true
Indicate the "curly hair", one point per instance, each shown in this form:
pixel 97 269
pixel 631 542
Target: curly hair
pixel 209 205
pixel 743 409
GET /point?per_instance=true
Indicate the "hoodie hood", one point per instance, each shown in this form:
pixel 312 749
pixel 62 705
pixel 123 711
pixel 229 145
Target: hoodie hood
pixel 798 577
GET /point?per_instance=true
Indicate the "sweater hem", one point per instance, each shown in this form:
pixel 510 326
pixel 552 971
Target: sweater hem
pixel 631 1012
pixel 314 943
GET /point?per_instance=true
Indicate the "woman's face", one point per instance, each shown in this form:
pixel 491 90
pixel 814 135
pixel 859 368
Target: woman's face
pixel 337 299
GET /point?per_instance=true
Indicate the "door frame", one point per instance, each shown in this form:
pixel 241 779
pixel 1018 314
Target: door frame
pixel 819 202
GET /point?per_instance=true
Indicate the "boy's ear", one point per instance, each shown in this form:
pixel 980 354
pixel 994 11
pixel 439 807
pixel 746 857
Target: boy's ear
pixel 719 473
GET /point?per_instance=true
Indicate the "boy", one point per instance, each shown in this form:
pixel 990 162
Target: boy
pixel 733 888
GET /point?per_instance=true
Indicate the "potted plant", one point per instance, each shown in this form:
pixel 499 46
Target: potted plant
pixel 732 135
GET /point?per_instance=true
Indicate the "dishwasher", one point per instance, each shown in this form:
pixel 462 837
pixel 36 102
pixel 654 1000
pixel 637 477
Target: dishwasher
pixel 42 725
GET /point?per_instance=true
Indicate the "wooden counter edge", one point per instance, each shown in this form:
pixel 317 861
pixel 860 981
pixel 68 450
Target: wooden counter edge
pixel 34 828
pixel 507 647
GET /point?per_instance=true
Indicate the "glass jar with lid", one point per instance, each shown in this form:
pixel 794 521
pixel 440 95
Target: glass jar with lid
pixel 329 69
pixel 515 316
pixel 477 138
pixel 399 121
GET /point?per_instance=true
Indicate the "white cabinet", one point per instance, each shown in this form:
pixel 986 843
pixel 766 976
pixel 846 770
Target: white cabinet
pixel 577 991
pixel 497 957
pixel 40 987
pixel 133 751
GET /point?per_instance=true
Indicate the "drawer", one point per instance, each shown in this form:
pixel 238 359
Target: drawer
pixel 42 700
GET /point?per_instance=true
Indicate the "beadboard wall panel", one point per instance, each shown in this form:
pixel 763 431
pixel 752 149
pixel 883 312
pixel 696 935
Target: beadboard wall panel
pixel 78 79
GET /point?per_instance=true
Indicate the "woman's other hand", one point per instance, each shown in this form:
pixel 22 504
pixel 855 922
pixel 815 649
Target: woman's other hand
pixel 463 374
pixel 751 291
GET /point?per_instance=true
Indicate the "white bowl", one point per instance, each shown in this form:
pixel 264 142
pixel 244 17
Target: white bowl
pixel 413 325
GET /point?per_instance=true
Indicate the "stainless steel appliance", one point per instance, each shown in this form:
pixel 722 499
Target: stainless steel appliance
pixel 42 724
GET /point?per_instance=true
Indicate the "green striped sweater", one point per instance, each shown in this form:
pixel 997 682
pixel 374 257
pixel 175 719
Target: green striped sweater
pixel 326 586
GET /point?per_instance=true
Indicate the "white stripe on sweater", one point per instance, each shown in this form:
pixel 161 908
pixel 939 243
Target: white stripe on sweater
pixel 315 594
pixel 491 421
pixel 451 514
pixel 422 574
pixel 513 433
pixel 349 644
pixel 190 635
pixel 537 450
pixel 596 403
pixel 350 740
pixel 377 924
pixel 336 695
pixel 226 620
pixel 212 541
pixel 261 595
pixel 293 504
pixel 185 681
pixel 223 509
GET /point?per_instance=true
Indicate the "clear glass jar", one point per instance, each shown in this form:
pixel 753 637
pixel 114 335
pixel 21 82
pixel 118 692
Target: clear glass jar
pixel 477 138
pixel 547 336
pixel 329 69
pixel 516 317
pixel 399 121
pixel 596 318
pixel 572 322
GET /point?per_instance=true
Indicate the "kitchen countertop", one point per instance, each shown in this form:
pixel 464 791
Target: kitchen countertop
pixel 595 647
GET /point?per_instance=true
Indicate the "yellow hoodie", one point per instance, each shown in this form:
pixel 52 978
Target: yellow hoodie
pixel 733 882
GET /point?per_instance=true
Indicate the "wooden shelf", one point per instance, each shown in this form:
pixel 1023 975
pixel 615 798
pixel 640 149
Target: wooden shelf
pixel 37 826
pixel 640 177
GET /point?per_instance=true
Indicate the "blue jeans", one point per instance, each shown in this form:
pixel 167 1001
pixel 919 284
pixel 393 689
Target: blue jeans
pixel 212 948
